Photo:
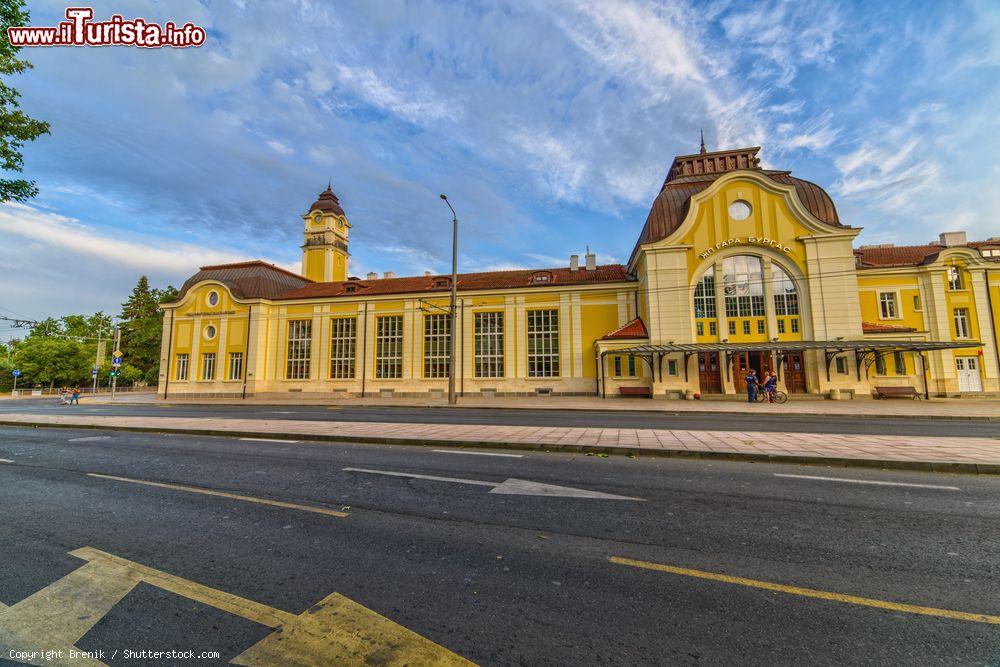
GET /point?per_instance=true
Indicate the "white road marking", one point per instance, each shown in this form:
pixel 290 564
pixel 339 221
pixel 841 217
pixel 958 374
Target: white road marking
pixel 90 438
pixel 5 461
pixel 282 412
pixel 268 440
pixel 870 481
pixel 459 451
pixel 518 487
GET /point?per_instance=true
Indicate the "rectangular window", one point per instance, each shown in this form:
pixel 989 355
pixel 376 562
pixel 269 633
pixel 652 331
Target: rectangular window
pixel 781 326
pixel 916 303
pixel 700 328
pixel 618 366
pixel 887 305
pixel 842 365
pixel 704 296
pixel 182 367
pixel 437 345
pixel 962 323
pixel 795 325
pixel 343 343
pixel 488 329
pixel 543 343
pixel 671 367
pixel 879 364
pixel 712 329
pixel 235 365
pixel 899 361
pixel 955 281
pixel 746 327
pixel 631 366
pixel 299 349
pixel 760 326
pixel 732 328
pixel 389 347
pixel 208 366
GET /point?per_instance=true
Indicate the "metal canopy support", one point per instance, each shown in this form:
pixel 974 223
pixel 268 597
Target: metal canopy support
pixel 830 356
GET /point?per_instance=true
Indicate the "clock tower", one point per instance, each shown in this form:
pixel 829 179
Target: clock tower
pixel 324 252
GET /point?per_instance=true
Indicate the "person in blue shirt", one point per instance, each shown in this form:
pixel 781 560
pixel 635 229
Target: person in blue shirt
pixel 751 380
pixel 770 386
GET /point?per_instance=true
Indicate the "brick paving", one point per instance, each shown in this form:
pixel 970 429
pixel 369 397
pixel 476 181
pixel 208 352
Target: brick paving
pixel 915 452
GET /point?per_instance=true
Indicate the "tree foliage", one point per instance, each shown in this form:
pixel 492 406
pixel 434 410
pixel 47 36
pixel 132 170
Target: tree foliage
pixel 142 328
pixel 16 127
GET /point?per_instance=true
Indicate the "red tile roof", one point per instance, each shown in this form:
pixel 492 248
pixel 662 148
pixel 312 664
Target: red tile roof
pixel 873 327
pixel 907 255
pixel 248 280
pixel 634 329
pixel 492 280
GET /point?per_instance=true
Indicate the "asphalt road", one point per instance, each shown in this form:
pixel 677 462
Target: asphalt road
pixel 501 579
pixel 770 421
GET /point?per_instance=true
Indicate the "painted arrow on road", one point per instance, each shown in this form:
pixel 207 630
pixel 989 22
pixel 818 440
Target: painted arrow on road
pixel 512 486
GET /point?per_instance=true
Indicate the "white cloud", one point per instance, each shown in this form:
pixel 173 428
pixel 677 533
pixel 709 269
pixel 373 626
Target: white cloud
pixel 413 105
pixel 279 147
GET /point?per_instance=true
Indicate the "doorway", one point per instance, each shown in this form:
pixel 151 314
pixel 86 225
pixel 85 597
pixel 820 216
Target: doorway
pixel 968 374
pixel 709 376
pixel 793 373
pixel 744 361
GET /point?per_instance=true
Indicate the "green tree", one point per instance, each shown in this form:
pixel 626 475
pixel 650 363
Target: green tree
pixel 15 126
pixel 142 323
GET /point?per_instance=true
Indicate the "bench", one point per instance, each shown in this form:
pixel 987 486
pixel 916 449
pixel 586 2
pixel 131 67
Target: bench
pixel 897 392
pixel 645 392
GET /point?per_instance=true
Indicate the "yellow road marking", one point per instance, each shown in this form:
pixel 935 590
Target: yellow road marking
pixel 223 494
pixel 810 592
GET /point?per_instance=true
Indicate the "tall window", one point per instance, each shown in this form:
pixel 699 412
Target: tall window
pixel 489 345
pixel 962 323
pixel 879 364
pixel 343 339
pixel 389 347
pixel 208 366
pixel 743 286
pixel 235 365
pixel 899 361
pixel 299 349
pixel 437 345
pixel 704 295
pixel 786 297
pixel 543 343
pixel 182 367
pixel 955 278
pixel 887 305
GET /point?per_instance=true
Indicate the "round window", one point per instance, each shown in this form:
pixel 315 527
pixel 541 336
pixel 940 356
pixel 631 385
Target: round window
pixel 213 298
pixel 739 210
pixel 210 332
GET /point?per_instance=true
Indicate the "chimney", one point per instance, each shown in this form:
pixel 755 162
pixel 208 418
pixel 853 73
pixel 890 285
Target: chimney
pixel 591 260
pixel 427 274
pixel 389 274
pixel 950 239
pixel 574 262
pixel 372 275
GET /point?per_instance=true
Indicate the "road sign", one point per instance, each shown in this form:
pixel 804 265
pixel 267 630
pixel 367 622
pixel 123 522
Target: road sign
pixel 116 360
pixel 93 372
pixel 17 373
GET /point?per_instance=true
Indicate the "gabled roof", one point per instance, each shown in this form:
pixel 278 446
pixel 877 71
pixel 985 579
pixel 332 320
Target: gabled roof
pixel 875 327
pixel 908 255
pixel 491 280
pixel 248 280
pixel 634 329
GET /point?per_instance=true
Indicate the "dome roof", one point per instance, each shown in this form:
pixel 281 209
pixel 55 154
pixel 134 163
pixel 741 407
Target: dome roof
pixel 327 202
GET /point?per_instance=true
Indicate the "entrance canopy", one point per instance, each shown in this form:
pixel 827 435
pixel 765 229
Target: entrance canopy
pixel 865 351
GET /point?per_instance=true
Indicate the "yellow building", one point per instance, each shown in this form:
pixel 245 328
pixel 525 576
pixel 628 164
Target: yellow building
pixel 736 267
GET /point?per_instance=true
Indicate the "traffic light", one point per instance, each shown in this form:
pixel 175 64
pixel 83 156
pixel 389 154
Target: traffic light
pixel 114 374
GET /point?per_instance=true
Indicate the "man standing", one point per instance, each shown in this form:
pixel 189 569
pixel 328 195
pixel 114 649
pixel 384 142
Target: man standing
pixel 751 380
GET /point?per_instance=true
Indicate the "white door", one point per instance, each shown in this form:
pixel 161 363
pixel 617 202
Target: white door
pixel 968 374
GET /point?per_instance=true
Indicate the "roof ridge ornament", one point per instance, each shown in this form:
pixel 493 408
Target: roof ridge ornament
pixel 703 150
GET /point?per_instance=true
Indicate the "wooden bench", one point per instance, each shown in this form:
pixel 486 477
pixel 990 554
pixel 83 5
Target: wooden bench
pixel 645 392
pixel 897 392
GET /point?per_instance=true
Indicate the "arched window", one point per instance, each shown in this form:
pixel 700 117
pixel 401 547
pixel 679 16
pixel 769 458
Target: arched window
pixel 743 286
pixel 786 296
pixel 704 295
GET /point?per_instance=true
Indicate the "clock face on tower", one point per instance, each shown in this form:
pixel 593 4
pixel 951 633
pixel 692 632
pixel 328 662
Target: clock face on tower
pixel 318 218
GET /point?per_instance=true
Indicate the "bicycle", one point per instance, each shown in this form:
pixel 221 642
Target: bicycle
pixel 777 396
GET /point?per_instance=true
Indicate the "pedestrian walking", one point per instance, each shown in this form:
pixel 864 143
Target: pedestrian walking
pixel 751 380
pixel 75 397
pixel 63 395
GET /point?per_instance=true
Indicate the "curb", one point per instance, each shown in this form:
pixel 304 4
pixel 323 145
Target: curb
pixel 885 464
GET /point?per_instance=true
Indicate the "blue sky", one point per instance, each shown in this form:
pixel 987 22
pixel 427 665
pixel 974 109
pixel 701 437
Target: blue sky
pixel 549 123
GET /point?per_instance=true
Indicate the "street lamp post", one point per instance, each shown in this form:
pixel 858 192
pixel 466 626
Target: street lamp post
pixel 452 398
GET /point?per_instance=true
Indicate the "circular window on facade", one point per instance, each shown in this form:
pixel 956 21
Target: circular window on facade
pixel 210 332
pixel 739 210
pixel 213 298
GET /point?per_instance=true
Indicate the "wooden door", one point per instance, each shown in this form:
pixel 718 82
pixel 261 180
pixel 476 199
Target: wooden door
pixel 793 374
pixel 709 377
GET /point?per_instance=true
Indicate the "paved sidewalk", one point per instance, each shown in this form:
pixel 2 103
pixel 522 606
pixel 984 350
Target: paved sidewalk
pixel 976 455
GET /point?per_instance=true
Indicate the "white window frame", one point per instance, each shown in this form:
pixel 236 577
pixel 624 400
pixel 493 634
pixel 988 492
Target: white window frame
pixel 343 347
pixel 208 366
pixel 893 301
pixel 704 296
pixel 181 367
pixel 963 327
pixel 389 347
pixel 786 302
pixel 437 345
pixel 543 343
pixel 235 365
pixel 488 351
pixel 298 350
pixel 956 281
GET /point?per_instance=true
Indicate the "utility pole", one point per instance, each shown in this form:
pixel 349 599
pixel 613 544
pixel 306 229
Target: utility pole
pixel 117 353
pixel 452 398
pixel 97 357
